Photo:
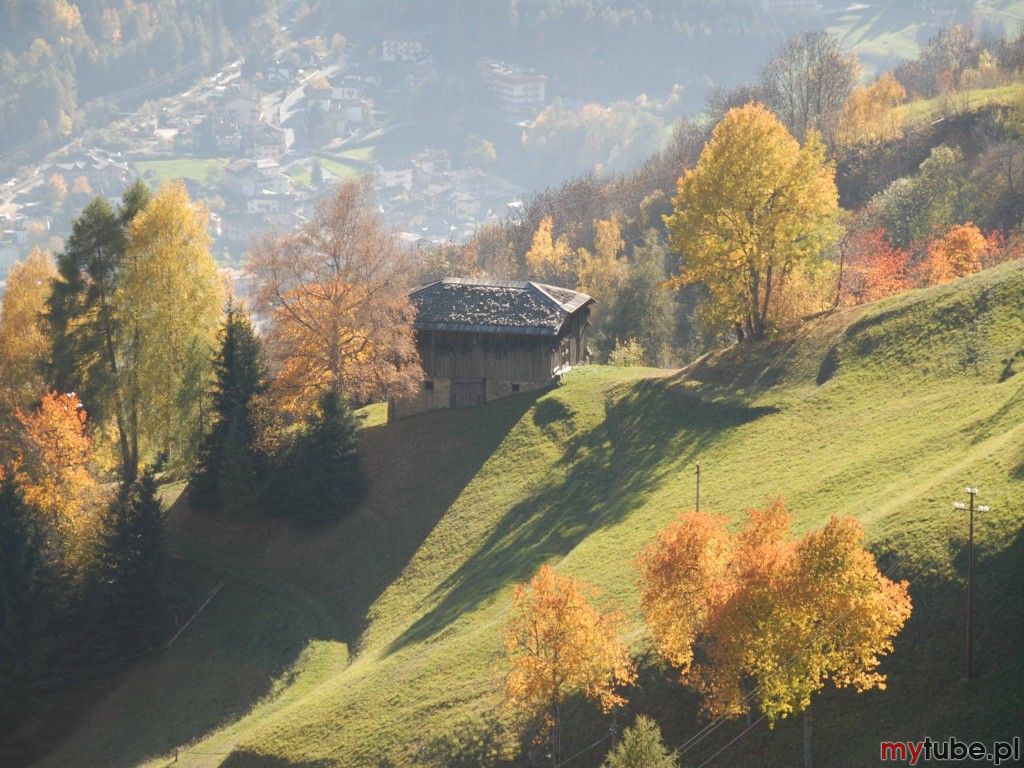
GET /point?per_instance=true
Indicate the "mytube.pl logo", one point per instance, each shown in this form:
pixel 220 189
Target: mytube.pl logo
pixel 929 749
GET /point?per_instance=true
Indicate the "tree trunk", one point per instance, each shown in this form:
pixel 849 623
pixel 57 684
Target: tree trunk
pixel 808 760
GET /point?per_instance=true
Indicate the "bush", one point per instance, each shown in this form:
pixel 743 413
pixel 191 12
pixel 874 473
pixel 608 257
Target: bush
pixel 628 354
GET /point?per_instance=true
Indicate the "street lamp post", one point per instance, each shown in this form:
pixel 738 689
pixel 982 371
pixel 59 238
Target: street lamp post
pixel 971 491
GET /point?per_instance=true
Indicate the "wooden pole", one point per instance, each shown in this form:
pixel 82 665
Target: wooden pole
pixel 697 508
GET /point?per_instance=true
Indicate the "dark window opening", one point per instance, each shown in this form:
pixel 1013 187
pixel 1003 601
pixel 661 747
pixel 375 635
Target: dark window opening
pixel 428 385
pixel 515 387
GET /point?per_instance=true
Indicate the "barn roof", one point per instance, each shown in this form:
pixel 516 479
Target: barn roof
pixel 494 306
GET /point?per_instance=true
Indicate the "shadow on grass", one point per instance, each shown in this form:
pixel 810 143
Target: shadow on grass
pixel 608 469
pixel 245 759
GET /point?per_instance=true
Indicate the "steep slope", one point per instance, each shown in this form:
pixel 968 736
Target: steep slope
pixel 883 413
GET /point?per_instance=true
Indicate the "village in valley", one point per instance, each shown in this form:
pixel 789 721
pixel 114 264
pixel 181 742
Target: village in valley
pixel 260 141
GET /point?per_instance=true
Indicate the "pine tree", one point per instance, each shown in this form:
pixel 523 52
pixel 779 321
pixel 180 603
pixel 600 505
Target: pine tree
pixel 641 747
pixel 321 474
pixel 130 569
pixel 25 603
pixel 227 472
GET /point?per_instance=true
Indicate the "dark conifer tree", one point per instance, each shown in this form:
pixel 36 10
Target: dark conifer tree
pixel 321 474
pixel 227 472
pixel 130 569
pixel 25 604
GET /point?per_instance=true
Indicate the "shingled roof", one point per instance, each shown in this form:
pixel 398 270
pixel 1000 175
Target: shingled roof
pixel 493 306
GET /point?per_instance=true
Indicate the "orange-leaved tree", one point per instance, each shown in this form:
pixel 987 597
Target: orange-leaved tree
pixel 873 268
pixel 558 645
pixel 334 295
pixel 54 471
pixel 957 253
pixel 786 614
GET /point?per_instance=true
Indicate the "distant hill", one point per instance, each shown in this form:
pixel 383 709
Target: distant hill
pixel 382 631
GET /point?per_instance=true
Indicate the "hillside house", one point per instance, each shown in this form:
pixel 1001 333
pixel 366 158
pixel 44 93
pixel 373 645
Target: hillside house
pixel 480 340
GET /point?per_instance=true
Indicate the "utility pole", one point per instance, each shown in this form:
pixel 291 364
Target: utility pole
pixel 971 491
pixel 697 507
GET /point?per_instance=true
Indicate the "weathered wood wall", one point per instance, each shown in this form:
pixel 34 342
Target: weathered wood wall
pixel 501 356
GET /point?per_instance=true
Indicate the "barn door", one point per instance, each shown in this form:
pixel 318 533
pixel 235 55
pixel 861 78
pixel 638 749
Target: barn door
pixel 468 393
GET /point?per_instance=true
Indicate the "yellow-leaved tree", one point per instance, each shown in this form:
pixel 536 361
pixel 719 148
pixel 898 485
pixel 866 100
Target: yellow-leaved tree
pixel 24 343
pixel 550 258
pixel 558 645
pixel 871 114
pixel 602 272
pixel 53 470
pixel 168 303
pixel 775 617
pixel 756 206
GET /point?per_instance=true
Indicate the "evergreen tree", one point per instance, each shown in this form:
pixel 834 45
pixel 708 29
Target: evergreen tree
pixel 25 602
pixel 130 568
pixel 227 473
pixel 641 747
pixel 320 474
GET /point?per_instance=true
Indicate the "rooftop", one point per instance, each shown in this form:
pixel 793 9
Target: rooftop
pixel 494 306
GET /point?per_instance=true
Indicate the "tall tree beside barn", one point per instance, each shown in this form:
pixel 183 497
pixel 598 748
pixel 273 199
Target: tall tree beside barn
pixel 756 206
pixel 333 295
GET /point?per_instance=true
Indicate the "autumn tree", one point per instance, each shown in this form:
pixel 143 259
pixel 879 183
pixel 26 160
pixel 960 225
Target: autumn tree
pixel 871 114
pixel 602 272
pixel 775 617
pixel 808 81
pixel 756 206
pixel 334 297
pixel 56 189
pixel 683 578
pixel 54 472
pixel 89 338
pixel 958 253
pixel 558 645
pixel 550 258
pixel 24 342
pixel 872 268
pixel 168 301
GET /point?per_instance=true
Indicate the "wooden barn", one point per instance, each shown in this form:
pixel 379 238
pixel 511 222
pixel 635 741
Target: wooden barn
pixel 480 340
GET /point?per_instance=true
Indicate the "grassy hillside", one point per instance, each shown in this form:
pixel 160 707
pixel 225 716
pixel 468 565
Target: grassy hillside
pixel 359 643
